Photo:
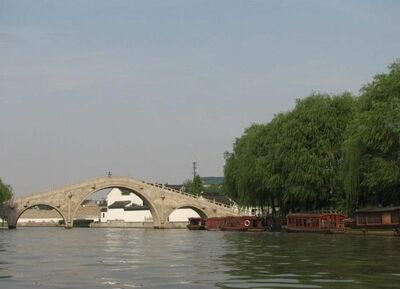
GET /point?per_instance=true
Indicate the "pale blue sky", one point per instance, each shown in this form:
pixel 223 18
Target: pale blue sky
pixel 143 88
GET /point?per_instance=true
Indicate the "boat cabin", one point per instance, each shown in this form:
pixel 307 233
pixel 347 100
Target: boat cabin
pixel 378 217
pixel 319 221
pixel 196 224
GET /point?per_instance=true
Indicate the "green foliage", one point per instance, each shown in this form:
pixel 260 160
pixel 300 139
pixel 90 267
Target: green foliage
pixel 293 161
pixel 5 192
pixel 197 186
pixel 371 172
pixel 311 151
pixel 242 178
pixel 329 151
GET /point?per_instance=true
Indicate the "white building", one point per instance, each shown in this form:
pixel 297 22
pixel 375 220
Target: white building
pixel 127 207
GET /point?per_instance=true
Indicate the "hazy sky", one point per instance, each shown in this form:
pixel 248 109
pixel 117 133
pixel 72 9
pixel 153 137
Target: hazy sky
pixel 143 88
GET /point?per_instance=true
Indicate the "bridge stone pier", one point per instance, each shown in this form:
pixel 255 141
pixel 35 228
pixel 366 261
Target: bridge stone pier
pixel 162 201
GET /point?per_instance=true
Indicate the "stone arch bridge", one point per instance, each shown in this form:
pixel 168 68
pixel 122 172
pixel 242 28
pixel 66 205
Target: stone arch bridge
pixel 162 201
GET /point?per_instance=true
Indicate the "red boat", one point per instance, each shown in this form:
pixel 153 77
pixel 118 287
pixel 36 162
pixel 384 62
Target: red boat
pixel 319 222
pixel 233 223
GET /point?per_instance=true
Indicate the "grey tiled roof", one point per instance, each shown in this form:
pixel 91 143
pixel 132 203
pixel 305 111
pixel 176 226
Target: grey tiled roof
pixel 119 204
pixel 136 208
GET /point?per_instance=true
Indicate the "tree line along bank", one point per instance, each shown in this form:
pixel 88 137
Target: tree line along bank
pixel 330 151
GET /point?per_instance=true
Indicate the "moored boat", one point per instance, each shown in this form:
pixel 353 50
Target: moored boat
pixel 235 223
pixel 215 223
pixel 378 218
pixel 230 223
pixel 316 222
pixel 380 221
pixel 196 224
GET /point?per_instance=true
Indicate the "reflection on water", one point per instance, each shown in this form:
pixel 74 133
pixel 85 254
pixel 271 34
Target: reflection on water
pixel 139 258
pixel 311 261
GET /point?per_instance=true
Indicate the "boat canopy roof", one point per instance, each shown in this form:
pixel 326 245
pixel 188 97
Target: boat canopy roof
pixel 315 214
pixel 378 210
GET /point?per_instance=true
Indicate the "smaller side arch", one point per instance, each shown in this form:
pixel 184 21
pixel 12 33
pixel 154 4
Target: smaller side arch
pixel 19 213
pixel 201 212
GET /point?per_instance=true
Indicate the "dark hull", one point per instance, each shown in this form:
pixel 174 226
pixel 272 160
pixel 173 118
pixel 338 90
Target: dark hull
pixel 233 229
pixel 238 229
pixel 315 231
pixel 195 227
pixel 256 229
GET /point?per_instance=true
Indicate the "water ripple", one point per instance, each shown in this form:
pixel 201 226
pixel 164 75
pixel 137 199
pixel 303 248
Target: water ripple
pixel 121 258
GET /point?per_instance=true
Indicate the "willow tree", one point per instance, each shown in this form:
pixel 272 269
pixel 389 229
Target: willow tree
pixel 310 150
pixel 294 160
pixel 269 163
pixel 242 180
pixel 371 171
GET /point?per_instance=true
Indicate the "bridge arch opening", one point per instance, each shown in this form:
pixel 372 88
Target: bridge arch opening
pixel 179 217
pixel 89 210
pixel 40 215
pixel 120 205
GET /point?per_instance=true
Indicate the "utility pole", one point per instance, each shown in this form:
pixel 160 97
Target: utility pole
pixel 194 169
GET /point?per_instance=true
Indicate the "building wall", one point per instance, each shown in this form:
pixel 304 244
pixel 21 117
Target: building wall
pixel 116 195
pixel 126 216
pixel 119 214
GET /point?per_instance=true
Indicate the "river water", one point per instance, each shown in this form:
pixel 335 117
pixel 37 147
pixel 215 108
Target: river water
pixel 140 258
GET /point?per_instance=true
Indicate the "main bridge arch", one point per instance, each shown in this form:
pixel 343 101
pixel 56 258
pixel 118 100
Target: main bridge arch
pixel 162 201
pixel 132 187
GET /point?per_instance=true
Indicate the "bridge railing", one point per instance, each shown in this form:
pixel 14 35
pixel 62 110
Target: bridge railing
pixel 161 186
